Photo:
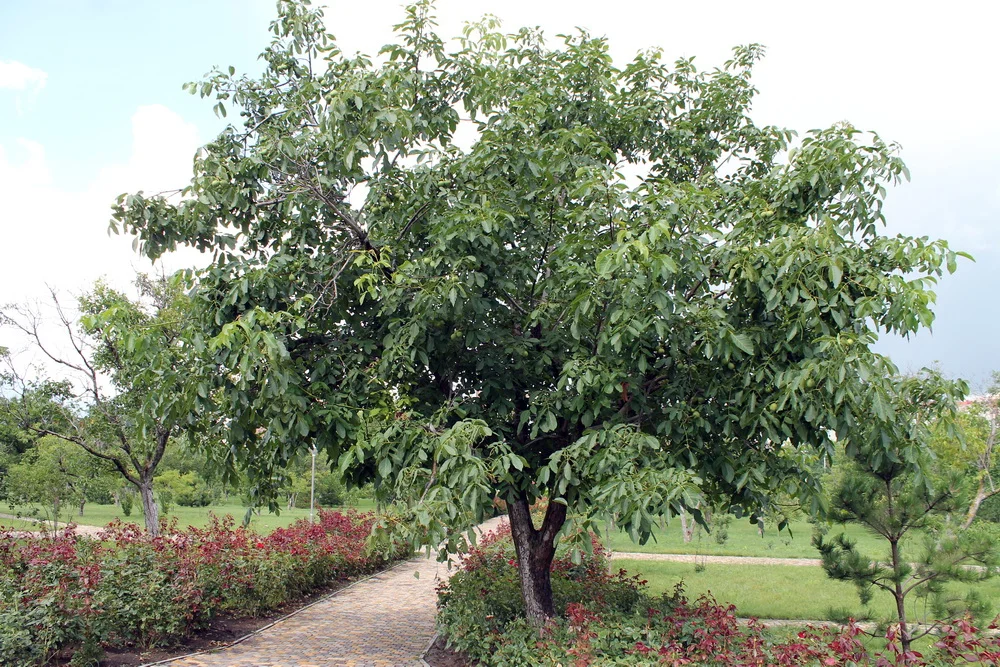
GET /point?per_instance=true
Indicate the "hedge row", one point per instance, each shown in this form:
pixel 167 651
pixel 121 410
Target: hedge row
pixel 69 594
pixel 607 619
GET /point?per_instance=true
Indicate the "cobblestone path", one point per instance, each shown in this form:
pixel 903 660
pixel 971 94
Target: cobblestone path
pixel 384 621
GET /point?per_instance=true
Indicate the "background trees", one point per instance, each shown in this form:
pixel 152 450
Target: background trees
pixel 971 457
pixel 619 294
pixel 128 385
pixel 57 475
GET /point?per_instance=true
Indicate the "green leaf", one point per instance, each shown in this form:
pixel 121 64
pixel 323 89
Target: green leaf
pixel 743 342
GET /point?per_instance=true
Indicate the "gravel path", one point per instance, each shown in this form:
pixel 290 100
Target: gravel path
pixel 90 531
pixel 722 560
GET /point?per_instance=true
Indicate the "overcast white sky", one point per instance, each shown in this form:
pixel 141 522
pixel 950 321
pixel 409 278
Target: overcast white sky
pixel 90 106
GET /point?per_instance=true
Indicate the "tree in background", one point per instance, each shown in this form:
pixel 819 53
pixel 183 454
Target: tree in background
pixel 128 386
pixel 971 456
pixel 57 475
pixel 615 292
pixel 893 487
pixel 20 412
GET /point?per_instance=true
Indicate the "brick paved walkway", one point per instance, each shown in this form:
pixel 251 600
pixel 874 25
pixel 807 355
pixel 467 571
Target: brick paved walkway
pixel 384 621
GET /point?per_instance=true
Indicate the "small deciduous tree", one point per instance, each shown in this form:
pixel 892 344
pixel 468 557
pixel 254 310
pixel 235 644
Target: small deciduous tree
pixel 129 382
pixel 972 455
pixel 615 291
pixel 891 488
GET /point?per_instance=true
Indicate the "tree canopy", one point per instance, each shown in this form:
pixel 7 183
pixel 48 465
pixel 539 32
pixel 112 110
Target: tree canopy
pixel 502 267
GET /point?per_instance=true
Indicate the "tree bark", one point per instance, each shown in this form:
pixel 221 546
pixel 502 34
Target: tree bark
pixel 535 548
pixel 981 495
pixel 900 596
pixel 149 508
pixel 686 531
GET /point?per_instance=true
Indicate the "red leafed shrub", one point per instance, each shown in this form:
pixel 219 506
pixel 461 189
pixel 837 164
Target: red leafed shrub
pixel 606 619
pixel 131 589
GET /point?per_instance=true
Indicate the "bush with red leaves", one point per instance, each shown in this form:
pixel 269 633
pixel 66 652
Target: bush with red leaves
pixel 128 589
pixel 607 619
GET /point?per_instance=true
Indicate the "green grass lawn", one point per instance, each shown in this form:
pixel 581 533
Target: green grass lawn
pixel 781 591
pixel 744 540
pixel 18 524
pixel 101 515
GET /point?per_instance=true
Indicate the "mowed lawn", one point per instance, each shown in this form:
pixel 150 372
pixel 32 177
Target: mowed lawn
pixel 785 591
pixel 18 524
pixel 744 539
pixel 102 515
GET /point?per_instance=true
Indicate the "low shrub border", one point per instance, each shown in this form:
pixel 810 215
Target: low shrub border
pixel 127 589
pixel 607 619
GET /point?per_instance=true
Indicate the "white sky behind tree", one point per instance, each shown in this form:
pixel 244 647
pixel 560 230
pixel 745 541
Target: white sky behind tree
pixel 91 106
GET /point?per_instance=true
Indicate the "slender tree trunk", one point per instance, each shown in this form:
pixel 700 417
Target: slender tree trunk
pixel 904 631
pixel 149 508
pixel 83 502
pixel 981 495
pixel 535 549
pixel 686 530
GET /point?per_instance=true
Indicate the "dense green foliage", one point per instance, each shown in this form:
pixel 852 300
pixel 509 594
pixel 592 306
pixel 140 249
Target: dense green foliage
pixel 57 475
pixel 618 292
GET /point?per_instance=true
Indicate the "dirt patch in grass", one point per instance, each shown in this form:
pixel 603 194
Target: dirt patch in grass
pixel 440 655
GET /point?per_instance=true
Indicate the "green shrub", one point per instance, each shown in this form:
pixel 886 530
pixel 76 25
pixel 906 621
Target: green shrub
pixel 186 489
pixel 466 614
pixel 127 500
pixel 606 620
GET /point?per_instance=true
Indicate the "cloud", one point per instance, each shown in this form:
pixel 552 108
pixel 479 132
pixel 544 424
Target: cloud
pixel 57 236
pixel 21 77
pixel 25 81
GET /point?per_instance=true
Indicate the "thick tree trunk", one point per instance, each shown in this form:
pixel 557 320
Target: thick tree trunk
pixel 535 549
pixel 149 508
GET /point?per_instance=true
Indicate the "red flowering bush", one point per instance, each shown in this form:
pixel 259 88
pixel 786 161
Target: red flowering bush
pixel 484 595
pixel 606 619
pixel 131 589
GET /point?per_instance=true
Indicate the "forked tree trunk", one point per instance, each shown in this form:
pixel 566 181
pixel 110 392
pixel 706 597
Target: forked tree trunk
pixel 149 509
pixel 536 548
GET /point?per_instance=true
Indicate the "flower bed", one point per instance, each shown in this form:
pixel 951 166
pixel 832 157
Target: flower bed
pixel 607 619
pixel 68 593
